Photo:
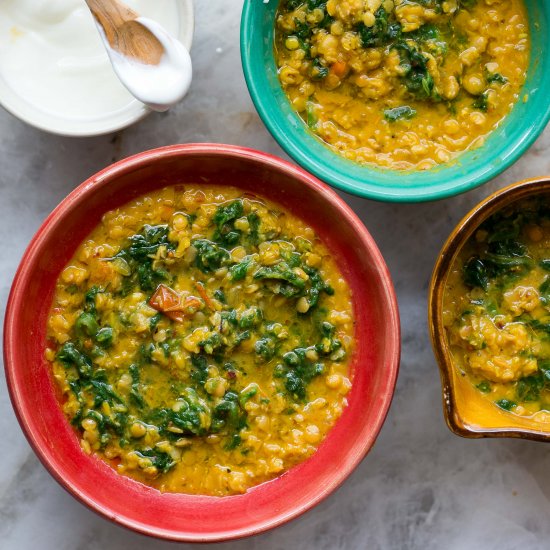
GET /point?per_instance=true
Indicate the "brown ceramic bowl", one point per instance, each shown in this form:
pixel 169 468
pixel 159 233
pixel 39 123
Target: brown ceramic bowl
pixel 467 412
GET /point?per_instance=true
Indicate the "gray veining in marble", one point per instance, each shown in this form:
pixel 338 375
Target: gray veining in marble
pixel 421 487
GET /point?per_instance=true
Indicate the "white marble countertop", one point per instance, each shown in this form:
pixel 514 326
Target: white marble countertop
pixel 421 487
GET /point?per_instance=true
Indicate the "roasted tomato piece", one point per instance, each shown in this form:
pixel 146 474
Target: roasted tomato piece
pixel 168 301
pixel 165 299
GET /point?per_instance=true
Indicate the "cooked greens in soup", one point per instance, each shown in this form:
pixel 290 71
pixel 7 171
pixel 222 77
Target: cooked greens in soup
pixel 402 84
pixel 497 309
pixel 201 340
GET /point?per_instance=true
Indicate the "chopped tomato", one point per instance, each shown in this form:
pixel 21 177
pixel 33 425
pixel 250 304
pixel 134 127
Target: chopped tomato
pixel 340 68
pixel 192 303
pixel 204 295
pixel 88 343
pixel 165 299
pixel 168 301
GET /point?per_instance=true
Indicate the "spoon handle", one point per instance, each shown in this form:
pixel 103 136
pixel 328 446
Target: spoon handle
pixel 123 33
pixel 111 15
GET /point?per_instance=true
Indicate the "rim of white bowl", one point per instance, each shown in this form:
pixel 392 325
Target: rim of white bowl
pixel 132 113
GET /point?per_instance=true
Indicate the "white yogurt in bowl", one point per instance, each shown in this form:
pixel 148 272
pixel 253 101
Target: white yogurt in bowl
pixel 55 73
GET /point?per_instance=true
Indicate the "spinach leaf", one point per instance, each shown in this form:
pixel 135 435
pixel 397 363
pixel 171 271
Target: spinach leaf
pixel 529 388
pixel 303 31
pixel 106 425
pixel 476 273
pixel 104 337
pixel 224 219
pixel 210 256
pixel 504 256
pixel 139 256
pixel 248 393
pixel 266 347
pixel 291 284
pixel 482 102
pixel 227 213
pixel 433 36
pixel 544 369
pixel 507 263
pixel 329 343
pixel 238 271
pixel 318 285
pixel 228 414
pixel 212 344
pixel 149 278
pixel 417 79
pixel 89 298
pixel 147 242
pixel 155 320
pixel 505 404
pixel 86 324
pixel 298 371
pixel 234 441
pixel 70 356
pixel 282 279
pixel 544 291
pixel 144 355
pixel 399 113
pixel 161 460
pixel 377 35
pixel 318 69
pixel 254 228
pixel 314 4
pixel 484 387
pixel 496 78
pixel 219 294
pixel 135 394
pixel 250 317
pixel 103 390
pixel 192 418
pixel 199 369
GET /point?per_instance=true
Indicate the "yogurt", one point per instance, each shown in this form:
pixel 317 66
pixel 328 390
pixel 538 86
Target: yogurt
pixel 52 56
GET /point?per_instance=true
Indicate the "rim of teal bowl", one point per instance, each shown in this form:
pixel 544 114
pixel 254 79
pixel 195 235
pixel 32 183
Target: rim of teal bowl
pixel 502 148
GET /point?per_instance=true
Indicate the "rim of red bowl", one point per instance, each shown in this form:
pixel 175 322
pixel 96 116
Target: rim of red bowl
pixel 12 340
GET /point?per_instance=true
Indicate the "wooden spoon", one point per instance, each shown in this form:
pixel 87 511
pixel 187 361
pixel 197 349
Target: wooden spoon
pixel 124 34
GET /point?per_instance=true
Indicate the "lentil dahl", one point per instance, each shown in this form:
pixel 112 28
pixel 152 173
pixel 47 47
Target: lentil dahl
pixel 402 84
pixel 497 309
pixel 201 340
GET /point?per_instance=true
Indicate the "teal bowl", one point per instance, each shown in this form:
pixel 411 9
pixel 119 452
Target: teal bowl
pixel 502 148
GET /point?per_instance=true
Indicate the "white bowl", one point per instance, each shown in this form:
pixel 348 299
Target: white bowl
pixel 111 122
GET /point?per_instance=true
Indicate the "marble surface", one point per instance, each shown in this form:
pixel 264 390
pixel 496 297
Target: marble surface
pixel 421 487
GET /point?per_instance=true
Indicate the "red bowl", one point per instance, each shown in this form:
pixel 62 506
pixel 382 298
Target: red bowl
pixel 182 517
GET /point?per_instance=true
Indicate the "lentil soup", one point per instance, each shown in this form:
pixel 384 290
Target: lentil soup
pixel 496 309
pixel 201 340
pixel 402 84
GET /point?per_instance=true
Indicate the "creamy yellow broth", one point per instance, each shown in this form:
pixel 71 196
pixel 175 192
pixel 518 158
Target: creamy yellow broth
pixel 201 340
pixel 497 309
pixel 402 84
